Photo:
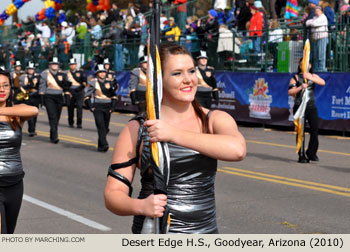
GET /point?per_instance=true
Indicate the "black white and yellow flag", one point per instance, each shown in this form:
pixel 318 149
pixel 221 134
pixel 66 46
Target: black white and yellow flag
pixel 154 94
pixel 299 116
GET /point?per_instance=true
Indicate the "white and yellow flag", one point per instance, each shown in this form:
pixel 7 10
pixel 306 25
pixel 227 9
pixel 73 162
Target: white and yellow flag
pixel 299 116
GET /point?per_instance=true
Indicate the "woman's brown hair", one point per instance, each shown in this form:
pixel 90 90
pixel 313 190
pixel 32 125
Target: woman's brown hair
pixel 175 49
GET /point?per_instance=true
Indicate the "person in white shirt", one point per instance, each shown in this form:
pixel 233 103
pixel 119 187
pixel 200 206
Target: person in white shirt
pixel 275 36
pixel 319 39
pixel 68 32
pixel 45 32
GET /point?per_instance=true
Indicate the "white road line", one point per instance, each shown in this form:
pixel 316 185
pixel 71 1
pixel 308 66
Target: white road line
pixel 66 213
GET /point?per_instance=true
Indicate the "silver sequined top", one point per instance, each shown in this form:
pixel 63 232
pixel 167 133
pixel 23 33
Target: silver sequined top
pixel 10 144
pixel 190 192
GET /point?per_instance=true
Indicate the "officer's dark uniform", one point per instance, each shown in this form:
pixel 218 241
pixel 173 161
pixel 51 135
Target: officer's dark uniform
pixel 78 83
pixel 29 85
pixel 15 75
pixel 54 86
pixel 104 103
pixel 137 85
pixel 206 85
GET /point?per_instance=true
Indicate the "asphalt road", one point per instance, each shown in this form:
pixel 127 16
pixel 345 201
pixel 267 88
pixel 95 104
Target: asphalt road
pixel 268 192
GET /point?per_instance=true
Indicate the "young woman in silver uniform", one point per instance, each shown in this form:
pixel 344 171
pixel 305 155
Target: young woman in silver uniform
pixel 12 118
pixel 196 137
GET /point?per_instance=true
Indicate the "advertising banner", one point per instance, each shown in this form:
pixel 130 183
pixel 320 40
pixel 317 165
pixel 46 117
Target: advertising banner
pixel 263 98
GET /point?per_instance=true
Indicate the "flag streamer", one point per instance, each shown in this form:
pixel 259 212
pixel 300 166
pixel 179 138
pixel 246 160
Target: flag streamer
pixel 299 117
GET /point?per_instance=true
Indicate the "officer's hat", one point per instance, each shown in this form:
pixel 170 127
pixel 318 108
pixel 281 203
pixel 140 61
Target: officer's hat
pixel 99 68
pixel 18 63
pixel 203 54
pixel 30 65
pixel 143 59
pixel 53 60
pixel 106 61
pixel 72 61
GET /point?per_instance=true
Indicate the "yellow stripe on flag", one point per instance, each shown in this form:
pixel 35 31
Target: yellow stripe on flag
pixel 151 113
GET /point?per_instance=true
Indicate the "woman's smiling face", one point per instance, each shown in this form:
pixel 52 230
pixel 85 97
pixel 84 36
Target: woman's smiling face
pixel 5 88
pixel 179 78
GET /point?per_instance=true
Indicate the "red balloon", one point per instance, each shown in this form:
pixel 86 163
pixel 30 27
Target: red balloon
pixel 58 6
pixel 91 7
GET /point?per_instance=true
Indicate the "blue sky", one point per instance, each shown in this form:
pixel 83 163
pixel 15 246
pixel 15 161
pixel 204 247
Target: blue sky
pixel 28 9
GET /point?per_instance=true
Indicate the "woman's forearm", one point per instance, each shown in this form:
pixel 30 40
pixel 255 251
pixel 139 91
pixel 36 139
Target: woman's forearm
pixel 222 147
pixel 21 110
pixel 121 204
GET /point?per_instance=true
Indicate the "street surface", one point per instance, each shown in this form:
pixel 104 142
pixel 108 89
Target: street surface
pixel 268 192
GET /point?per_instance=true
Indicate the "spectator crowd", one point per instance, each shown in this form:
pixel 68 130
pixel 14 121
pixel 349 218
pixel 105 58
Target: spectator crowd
pixel 233 30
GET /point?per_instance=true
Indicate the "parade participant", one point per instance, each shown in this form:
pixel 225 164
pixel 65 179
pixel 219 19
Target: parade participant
pixel 78 82
pixel 196 137
pixel 29 86
pixel 12 118
pixel 53 85
pixel 137 85
pixel 104 104
pixel 297 85
pixel 15 74
pixel 206 82
pixel 110 74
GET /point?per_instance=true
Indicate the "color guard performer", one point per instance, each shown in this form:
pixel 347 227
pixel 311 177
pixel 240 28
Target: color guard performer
pixel 78 82
pixel 110 74
pixel 104 103
pixel 54 88
pixel 137 85
pixel 206 82
pixel 297 85
pixel 15 79
pixel 29 93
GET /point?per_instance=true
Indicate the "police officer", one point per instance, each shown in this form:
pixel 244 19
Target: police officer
pixel 110 74
pixel 137 85
pixel 206 82
pixel 54 88
pixel 29 93
pixel 104 103
pixel 77 78
pixel 15 75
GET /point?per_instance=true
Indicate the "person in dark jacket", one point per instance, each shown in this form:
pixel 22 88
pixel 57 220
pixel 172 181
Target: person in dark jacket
pixel 113 14
pixel 244 16
pixel 210 29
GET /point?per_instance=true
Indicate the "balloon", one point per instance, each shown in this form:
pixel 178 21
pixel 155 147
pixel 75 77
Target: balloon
pixel 1 22
pixel 11 9
pixel 88 1
pixel 58 1
pixel 58 6
pixel 18 3
pixel 4 16
pixel 49 3
pixel 50 13
pixel 91 7
pixel 95 2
